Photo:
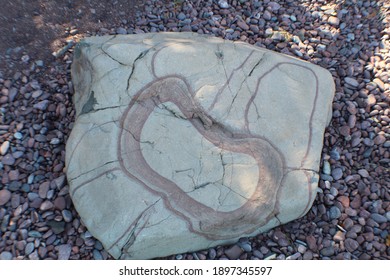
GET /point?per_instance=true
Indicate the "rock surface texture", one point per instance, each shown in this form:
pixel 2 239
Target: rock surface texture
pixel 183 142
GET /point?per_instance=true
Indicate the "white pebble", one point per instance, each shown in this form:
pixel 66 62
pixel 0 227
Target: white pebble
pixel 223 4
pixel 18 135
pixel 55 141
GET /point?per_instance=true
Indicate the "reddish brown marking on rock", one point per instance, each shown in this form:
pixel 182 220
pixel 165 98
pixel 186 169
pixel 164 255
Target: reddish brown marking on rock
pixel 228 81
pixel 153 60
pixel 202 219
pixel 251 100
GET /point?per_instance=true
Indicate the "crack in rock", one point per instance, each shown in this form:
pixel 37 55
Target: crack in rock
pixel 262 59
pixel 136 229
pixel 89 171
pixel 140 56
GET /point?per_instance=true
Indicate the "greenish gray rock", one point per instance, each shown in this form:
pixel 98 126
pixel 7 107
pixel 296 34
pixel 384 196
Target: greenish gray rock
pixel 183 142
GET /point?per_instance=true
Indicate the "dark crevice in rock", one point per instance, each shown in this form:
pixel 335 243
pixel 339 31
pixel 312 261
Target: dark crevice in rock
pixel 140 56
pixel 203 185
pixel 276 217
pixel 89 171
pixel 106 53
pixel 88 106
pixel 105 108
pixel 173 113
pixel 303 169
pixel 256 65
pixel 139 225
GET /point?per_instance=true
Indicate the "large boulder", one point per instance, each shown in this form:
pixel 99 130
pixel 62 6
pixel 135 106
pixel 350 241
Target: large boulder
pixel 183 142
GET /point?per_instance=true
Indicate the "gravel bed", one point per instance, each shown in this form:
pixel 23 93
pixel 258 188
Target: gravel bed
pixel 350 217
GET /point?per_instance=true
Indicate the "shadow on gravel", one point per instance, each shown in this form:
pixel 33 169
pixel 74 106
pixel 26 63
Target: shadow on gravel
pixel 40 27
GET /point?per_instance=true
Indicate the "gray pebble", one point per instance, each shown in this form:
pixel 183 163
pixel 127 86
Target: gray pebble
pixel 30 179
pixel 334 191
pixel 57 227
pixel 67 215
pixel 258 254
pixel 98 245
pixel 34 233
pixel 29 248
pixel 18 154
pixel 326 177
pixel 351 244
pixel 334 154
pixel 5 256
pixel 5 196
pixel 326 168
pixel 351 81
pixel 14 186
pixel 384 234
pixel 274 6
pixel 64 251
pixel 301 248
pixel 308 255
pixel 337 173
pixel 18 135
pixel 181 16
pixel 97 255
pixel 46 205
pixel 233 252
pixel 327 251
pixel 4 223
pixel 39 63
pixel 8 160
pixel 37 93
pixel 55 141
pixel 32 196
pixel 246 247
pixel 367 153
pixel 294 256
pixel 334 213
pixel 25 188
pixel 33 256
pixel 42 105
pixel 212 253
pixel 121 30
pixel 25 58
pixel 267 15
pixel 380 219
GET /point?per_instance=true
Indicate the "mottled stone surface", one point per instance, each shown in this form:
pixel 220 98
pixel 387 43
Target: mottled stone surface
pixel 182 142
